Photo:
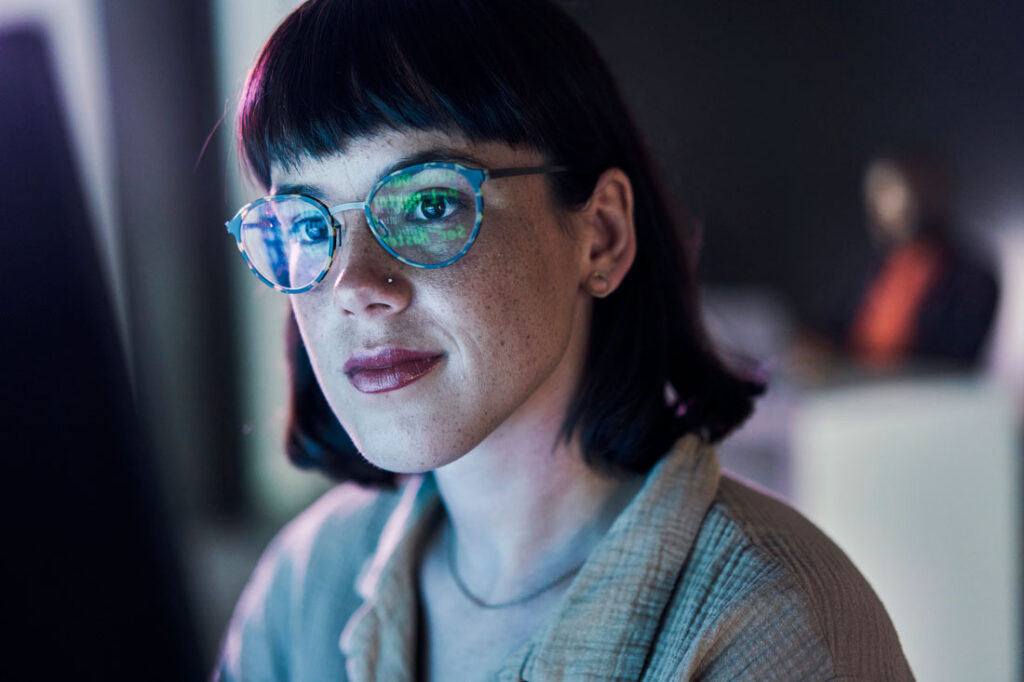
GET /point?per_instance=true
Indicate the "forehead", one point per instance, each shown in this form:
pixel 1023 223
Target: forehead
pixel 351 173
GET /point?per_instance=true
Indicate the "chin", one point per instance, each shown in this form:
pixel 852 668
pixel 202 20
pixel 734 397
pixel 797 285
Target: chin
pixel 415 457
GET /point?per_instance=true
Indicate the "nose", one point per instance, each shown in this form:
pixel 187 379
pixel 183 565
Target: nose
pixel 367 280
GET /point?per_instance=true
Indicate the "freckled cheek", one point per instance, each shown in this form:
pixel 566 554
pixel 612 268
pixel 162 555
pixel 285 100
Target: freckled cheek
pixel 312 325
pixel 507 295
pixel 514 328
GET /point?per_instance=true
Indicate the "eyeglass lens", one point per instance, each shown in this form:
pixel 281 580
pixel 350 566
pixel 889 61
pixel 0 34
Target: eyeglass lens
pixel 287 240
pixel 424 216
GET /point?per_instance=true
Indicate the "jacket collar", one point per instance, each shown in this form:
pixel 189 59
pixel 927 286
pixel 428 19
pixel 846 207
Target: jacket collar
pixel 607 621
pixel 609 618
pixel 379 640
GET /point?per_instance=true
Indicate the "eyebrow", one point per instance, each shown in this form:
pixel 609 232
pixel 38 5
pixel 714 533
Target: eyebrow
pixel 425 156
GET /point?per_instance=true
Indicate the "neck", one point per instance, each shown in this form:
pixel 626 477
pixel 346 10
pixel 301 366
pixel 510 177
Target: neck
pixel 524 506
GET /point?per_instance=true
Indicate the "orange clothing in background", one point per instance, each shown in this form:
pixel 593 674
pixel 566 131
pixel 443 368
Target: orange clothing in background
pixel 885 324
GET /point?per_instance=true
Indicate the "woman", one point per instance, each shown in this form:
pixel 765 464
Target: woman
pixel 495 306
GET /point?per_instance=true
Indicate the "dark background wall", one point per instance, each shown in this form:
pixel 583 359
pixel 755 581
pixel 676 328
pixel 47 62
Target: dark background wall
pixel 763 115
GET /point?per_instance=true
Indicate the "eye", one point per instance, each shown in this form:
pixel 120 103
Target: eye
pixel 434 204
pixel 310 230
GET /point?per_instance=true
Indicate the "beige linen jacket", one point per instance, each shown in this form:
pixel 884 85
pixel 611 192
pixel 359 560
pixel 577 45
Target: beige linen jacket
pixel 700 577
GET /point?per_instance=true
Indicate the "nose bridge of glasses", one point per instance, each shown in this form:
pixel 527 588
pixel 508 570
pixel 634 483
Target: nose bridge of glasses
pixel 350 206
pixel 336 213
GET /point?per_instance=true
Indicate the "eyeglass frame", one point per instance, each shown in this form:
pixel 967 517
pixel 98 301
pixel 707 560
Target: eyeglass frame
pixel 475 176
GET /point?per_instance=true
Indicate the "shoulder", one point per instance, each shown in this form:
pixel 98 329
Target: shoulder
pixel 339 529
pixel 766 592
pixel 302 591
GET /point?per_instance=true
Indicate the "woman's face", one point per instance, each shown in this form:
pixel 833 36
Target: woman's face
pixel 422 365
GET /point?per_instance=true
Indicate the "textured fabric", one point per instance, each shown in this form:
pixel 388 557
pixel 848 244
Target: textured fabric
pixel 699 577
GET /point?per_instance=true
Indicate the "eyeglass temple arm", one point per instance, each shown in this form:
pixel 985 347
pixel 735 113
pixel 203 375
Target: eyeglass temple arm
pixel 533 170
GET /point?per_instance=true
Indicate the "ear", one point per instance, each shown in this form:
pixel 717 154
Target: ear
pixel 609 234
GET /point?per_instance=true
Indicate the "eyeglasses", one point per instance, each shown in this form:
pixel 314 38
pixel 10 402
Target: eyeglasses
pixel 426 216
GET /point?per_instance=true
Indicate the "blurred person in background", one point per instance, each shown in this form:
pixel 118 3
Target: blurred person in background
pixel 496 336
pixel 924 299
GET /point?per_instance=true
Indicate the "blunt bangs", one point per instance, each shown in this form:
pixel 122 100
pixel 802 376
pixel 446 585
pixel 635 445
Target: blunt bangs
pixel 343 69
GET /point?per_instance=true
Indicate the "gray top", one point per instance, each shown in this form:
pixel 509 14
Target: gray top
pixel 698 577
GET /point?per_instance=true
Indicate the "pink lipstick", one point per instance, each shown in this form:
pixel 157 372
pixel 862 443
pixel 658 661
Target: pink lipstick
pixel 389 369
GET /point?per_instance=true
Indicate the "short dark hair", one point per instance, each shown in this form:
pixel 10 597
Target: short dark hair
pixel 523 73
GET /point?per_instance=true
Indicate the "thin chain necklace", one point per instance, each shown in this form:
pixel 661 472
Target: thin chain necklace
pixel 503 604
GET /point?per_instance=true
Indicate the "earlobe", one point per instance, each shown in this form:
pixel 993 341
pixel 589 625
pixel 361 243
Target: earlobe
pixel 598 285
pixel 611 233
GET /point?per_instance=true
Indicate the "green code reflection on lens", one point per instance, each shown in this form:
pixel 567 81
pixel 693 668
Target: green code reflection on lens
pixel 421 236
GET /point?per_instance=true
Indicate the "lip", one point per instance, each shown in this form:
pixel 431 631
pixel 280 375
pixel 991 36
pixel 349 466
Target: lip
pixel 389 369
